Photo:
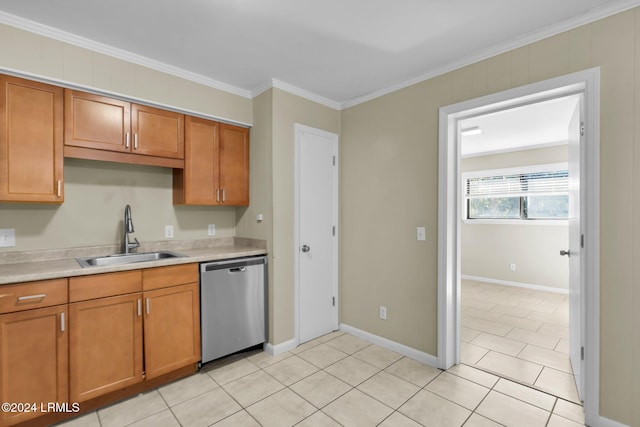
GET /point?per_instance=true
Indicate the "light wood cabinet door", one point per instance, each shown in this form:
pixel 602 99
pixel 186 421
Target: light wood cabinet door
pixel 216 165
pixel 33 360
pixel 234 165
pixel 105 345
pixel 157 132
pixel 171 329
pixel 98 122
pixel 31 141
pixel 198 182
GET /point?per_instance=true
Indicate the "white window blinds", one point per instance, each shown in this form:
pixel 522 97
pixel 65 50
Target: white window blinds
pixel 554 182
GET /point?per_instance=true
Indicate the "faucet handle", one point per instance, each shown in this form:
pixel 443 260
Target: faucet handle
pixel 134 244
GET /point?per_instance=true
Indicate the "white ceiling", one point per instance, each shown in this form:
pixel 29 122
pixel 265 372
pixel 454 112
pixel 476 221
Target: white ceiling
pixel 341 51
pixel 542 124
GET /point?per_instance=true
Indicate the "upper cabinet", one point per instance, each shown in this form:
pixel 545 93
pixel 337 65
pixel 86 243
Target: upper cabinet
pixel 40 124
pixel 103 128
pixel 216 169
pixel 31 141
pixel 234 165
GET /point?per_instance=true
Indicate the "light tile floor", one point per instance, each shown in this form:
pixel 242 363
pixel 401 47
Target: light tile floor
pixel 336 380
pixel 518 334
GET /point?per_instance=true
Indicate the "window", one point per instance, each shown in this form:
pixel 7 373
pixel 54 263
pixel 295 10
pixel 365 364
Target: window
pixel 532 193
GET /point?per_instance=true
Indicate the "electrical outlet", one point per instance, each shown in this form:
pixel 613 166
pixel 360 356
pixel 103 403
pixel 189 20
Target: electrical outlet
pixel 211 230
pixel 421 234
pixel 383 312
pixel 7 237
pixel 168 231
pixel 512 267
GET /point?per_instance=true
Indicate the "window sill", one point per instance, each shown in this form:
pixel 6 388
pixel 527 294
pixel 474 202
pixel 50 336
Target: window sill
pixel 556 222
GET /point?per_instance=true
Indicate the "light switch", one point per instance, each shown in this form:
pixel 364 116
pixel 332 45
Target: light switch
pixel 421 233
pixel 7 237
pixel 168 231
pixel 211 230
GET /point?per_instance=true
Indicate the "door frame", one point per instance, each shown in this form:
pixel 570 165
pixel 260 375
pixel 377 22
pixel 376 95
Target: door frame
pixel 449 210
pixel 299 129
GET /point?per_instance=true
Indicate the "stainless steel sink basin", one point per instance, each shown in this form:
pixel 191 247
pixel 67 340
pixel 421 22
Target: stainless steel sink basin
pixel 119 259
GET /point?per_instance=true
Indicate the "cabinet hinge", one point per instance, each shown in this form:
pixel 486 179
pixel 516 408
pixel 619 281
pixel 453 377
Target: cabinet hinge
pixel 582 240
pixel 581 353
pixel 334 160
pixel 581 128
pixel 334 301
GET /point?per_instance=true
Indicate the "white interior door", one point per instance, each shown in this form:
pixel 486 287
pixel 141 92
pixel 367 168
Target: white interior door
pixel 576 332
pixel 317 190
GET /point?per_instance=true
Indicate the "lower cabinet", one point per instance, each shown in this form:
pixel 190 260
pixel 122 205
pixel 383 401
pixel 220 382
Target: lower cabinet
pixel 105 346
pixel 106 333
pixel 118 341
pixel 171 329
pixel 34 361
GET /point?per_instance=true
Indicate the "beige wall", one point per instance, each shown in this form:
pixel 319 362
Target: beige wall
pixel 389 186
pixel 26 52
pixel 96 192
pixel 487 250
pixel 92 213
pixel 261 188
pixel 537 156
pixel 284 110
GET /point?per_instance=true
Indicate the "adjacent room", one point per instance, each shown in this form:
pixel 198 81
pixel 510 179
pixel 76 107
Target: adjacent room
pixel 515 283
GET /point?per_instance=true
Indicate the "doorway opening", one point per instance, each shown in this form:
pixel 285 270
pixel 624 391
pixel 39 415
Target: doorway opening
pixel 514 294
pixel 582 162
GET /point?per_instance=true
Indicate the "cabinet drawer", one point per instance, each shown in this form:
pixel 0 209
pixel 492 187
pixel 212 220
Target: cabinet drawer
pixel 162 277
pixel 104 285
pixel 25 296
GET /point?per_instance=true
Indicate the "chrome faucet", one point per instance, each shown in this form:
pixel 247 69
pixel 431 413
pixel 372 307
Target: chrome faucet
pixel 128 228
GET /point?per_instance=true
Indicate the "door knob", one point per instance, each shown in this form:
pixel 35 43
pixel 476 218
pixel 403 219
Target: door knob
pixel 305 248
pixel 565 253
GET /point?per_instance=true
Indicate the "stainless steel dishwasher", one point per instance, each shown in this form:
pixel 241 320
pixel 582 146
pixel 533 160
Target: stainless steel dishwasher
pixel 232 305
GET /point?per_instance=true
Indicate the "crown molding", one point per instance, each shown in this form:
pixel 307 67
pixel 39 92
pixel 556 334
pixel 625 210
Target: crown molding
pixel 63 36
pixel 294 90
pixel 552 30
pixel 44 30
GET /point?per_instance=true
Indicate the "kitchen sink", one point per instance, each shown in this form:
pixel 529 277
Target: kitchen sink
pixel 119 259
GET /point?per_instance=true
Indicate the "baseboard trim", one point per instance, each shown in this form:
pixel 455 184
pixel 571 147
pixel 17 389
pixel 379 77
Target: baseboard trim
pixel 277 349
pixel 517 284
pixel 606 422
pixel 392 345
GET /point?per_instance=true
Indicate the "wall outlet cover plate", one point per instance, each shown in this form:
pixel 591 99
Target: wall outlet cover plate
pixel 7 237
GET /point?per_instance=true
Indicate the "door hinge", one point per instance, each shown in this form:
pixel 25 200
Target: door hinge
pixel 334 230
pixel 581 353
pixel 582 241
pixel 334 301
pixel 581 128
pixel 334 160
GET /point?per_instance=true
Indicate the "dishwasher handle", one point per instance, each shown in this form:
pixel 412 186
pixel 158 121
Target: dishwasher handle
pixel 232 264
pixel 237 270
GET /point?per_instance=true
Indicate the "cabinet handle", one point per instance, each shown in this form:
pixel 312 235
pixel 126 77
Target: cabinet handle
pixel 148 304
pixel 224 199
pixel 62 322
pixel 28 297
pixel 139 307
pixel 126 143
pixel 217 195
pixel 135 141
pixel 59 192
